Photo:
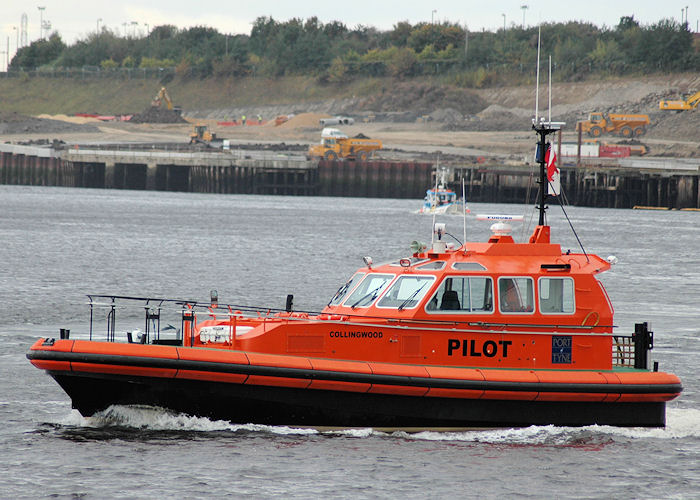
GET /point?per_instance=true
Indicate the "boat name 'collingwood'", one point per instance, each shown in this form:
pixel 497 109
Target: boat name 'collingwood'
pixel 357 335
pixel 471 347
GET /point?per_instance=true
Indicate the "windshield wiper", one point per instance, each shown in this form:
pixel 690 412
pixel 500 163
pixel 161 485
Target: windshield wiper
pixel 410 297
pixel 373 295
pixel 341 291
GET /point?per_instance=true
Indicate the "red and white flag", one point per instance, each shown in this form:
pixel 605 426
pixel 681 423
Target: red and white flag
pixel 553 182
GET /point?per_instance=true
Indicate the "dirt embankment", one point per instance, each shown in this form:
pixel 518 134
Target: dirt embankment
pixel 19 124
pixel 410 113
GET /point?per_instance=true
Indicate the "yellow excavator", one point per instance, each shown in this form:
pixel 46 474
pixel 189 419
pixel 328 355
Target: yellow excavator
pixel 680 105
pixel 163 97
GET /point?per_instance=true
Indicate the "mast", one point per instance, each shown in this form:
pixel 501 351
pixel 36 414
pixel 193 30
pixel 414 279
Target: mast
pixel 543 129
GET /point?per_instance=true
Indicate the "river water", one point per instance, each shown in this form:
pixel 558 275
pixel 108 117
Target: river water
pixel 59 244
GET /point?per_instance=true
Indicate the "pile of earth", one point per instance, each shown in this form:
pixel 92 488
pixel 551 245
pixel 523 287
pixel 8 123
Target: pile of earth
pixel 155 114
pixel 304 121
pixel 16 123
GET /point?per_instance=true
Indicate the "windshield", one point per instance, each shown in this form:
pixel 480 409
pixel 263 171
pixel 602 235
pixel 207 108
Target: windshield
pixel 406 292
pixel 343 290
pixel 367 291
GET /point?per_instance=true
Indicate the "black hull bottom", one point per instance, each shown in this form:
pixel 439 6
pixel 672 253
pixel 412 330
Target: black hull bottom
pixel 91 393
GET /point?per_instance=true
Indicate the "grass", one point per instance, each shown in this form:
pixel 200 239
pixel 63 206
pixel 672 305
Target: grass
pixel 38 95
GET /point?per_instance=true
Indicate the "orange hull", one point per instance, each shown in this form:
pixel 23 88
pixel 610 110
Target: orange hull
pixel 89 361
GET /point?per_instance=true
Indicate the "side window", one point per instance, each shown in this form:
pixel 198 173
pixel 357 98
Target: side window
pixel 556 296
pixel 462 294
pixel 516 295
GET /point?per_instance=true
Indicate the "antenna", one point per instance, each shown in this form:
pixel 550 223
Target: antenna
pixel 464 216
pixel 537 88
pixel 432 228
pixel 550 88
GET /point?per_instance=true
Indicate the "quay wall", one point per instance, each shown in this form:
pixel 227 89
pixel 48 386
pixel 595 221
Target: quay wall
pixel 622 183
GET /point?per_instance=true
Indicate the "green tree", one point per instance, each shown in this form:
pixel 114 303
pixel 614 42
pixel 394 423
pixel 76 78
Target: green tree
pixel 402 63
pixel 39 53
pixel 109 64
pixel 437 35
pixel 337 72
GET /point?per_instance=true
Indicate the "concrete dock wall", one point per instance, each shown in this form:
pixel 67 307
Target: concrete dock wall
pixel 620 183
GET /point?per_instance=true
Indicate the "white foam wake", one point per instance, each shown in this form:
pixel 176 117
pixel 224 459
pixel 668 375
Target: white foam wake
pixel 159 419
pixel 681 423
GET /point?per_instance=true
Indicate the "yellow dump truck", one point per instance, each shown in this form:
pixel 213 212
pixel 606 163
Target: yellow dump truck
pixel 335 145
pixel 690 103
pixel 618 124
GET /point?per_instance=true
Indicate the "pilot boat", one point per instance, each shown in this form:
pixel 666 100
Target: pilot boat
pixel 441 199
pixel 485 334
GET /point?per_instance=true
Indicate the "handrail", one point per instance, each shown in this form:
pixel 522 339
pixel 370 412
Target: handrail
pixel 240 309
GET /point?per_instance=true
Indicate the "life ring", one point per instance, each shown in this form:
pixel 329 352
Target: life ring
pixel 480 159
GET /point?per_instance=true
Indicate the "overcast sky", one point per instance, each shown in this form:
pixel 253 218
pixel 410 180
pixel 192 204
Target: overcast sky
pixel 75 19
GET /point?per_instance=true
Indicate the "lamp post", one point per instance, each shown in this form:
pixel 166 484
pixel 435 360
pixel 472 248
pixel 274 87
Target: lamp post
pixel 524 7
pixel 41 22
pixel 504 24
pixel 99 20
pixel 432 16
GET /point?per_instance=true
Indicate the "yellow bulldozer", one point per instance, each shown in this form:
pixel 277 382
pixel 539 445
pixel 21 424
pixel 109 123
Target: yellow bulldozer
pixel 201 135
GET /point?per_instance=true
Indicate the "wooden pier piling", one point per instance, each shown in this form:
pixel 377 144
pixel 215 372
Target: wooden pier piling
pixel 619 184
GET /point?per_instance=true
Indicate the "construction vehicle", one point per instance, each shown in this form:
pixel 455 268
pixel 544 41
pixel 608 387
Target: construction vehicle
pixel 680 105
pixel 163 96
pixel 337 120
pixel 336 145
pixel 201 135
pixel 618 124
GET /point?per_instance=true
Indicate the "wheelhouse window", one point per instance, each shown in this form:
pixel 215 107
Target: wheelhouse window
pixel 368 290
pixel 468 266
pixel 516 295
pixel 557 296
pixel 430 266
pixel 406 292
pixel 345 289
pixel 463 294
